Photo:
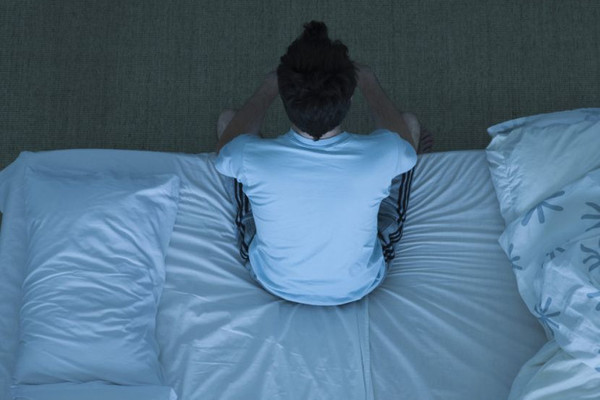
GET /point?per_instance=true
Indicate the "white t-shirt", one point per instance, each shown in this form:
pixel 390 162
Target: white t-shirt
pixel 315 206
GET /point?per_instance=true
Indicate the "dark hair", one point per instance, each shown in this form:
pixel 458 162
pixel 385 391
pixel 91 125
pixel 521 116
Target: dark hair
pixel 316 80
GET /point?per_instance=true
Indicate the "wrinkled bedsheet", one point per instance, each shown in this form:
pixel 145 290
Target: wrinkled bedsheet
pixel 448 323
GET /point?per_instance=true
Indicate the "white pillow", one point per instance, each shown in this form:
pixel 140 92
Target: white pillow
pixel 532 162
pixel 542 120
pixel 95 273
pixel 91 391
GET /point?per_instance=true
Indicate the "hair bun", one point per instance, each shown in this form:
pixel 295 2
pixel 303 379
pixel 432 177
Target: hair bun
pixel 315 30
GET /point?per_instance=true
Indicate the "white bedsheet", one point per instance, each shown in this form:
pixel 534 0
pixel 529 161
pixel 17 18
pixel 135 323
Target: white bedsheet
pixel 448 322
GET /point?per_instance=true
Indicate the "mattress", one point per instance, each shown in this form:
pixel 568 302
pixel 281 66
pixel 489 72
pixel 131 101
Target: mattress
pixel 448 322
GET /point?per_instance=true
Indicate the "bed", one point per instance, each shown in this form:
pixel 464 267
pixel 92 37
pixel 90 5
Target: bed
pixel 450 321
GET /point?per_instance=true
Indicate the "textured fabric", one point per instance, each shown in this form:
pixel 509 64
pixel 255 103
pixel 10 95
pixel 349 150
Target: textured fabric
pixel 315 207
pixel 154 74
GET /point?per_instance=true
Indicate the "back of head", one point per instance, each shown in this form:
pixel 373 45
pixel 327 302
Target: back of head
pixel 316 81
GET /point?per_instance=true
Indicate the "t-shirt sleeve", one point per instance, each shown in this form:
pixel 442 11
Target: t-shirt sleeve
pixel 229 161
pixel 407 156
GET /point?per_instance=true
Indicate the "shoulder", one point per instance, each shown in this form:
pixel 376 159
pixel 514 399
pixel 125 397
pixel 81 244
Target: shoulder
pixel 244 138
pixel 381 134
pixel 392 138
pixel 383 137
pixel 237 144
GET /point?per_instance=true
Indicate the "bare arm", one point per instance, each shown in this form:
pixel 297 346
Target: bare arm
pixel 250 117
pixel 384 113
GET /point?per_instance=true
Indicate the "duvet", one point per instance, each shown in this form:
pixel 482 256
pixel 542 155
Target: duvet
pixel 554 249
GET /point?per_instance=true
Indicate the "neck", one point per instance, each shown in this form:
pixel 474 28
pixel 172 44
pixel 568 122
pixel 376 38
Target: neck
pixel 336 131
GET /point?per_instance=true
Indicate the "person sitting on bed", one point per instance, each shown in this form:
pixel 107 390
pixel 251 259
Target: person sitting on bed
pixel 319 208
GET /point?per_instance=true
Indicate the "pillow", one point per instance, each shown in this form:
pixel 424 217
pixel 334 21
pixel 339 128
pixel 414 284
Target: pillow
pixel 91 391
pixel 542 120
pixel 532 162
pixel 94 276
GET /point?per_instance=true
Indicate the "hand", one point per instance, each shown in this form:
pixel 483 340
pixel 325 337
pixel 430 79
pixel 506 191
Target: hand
pixel 271 80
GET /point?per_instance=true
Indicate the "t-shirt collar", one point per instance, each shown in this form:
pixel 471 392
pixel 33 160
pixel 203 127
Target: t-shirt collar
pixel 321 142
